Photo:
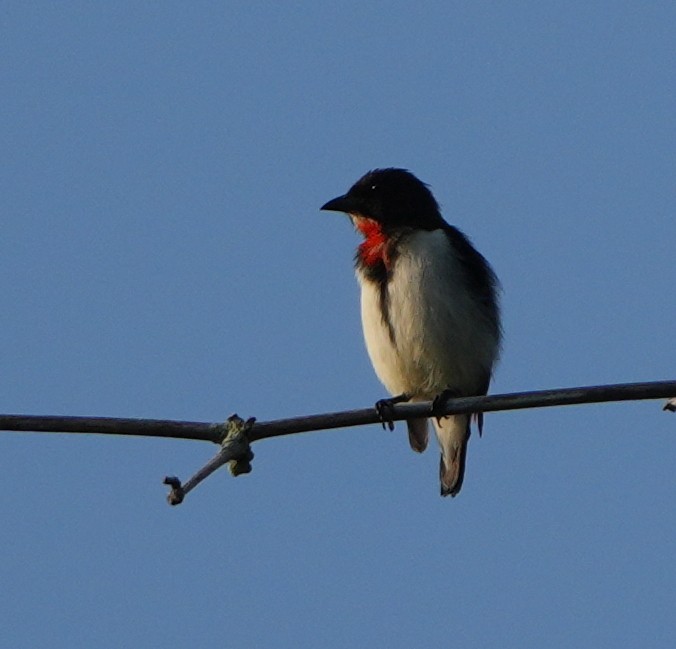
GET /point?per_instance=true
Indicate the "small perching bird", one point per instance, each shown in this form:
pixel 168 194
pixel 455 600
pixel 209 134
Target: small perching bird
pixel 429 307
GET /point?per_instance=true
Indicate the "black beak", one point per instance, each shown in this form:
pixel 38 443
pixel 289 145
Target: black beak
pixel 339 204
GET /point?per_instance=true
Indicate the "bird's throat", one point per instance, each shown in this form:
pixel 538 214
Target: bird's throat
pixel 373 250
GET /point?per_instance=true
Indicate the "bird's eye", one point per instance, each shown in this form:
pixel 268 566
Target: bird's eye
pixel 373 187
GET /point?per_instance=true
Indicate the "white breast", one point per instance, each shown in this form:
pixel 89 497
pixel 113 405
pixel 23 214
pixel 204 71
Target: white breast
pixel 441 337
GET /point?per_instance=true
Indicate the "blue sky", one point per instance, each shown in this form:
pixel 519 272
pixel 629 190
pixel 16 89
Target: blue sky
pixel 163 255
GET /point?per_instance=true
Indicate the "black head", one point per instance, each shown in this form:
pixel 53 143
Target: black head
pixel 393 197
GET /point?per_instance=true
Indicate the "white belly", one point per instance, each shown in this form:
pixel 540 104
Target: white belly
pixel 441 336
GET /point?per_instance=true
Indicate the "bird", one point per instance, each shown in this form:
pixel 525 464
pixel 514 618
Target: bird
pixel 429 308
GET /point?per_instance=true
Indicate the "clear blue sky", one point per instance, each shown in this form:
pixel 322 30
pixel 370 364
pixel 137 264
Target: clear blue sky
pixel 162 255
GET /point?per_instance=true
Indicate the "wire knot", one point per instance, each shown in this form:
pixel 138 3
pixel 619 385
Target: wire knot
pixel 235 441
pixel 235 451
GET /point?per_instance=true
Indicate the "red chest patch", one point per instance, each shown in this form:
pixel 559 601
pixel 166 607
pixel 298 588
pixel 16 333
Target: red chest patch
pixel 374 247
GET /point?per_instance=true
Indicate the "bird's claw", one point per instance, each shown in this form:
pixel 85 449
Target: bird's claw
pixel 385 410
pixel 439 402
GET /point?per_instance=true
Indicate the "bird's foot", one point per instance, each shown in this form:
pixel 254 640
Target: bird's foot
pixel 385 409
pixel 440 400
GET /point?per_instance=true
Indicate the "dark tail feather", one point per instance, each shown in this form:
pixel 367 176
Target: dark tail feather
pixel 480 422
pixel 417 434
